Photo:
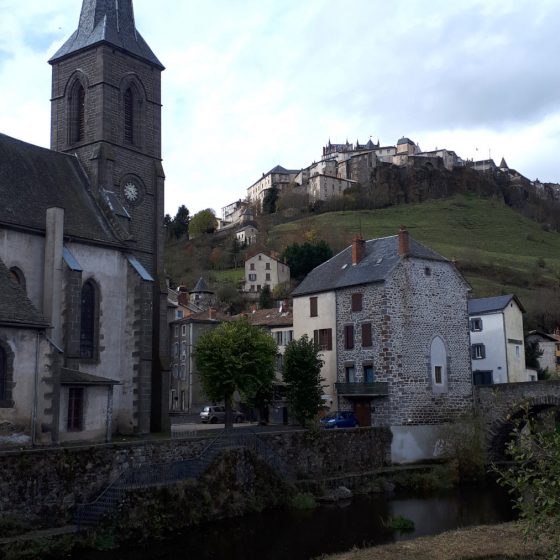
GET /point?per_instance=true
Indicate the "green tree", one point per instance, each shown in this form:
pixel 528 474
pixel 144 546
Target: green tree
pixel 534 477
pixel 265 298
pixel 202 222
pixel 302 259
pixel 180 222
pixel 302 374
pixel 236 356
pixel 269 201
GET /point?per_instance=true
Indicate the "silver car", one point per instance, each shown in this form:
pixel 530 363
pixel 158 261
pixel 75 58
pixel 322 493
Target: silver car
pixel 215 414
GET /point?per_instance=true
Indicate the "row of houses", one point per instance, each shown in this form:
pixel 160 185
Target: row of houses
pixel 402 342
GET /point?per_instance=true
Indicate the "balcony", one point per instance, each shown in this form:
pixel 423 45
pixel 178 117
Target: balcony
pixel 376 389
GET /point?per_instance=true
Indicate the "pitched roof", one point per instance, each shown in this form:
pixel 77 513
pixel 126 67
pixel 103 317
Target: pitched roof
pixel 405 140
pixel 33 179
pixel 15 307
pixel 381 256
pixel 75 377
pixel 201 287
pixel 270 318
pixel 107 21
pixel 550 336
pixel 491 304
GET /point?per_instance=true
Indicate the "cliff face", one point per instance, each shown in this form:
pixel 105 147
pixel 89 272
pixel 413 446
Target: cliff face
pixel 390 185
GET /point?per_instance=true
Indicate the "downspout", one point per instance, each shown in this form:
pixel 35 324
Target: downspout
pixel 35 391
pixel 109 432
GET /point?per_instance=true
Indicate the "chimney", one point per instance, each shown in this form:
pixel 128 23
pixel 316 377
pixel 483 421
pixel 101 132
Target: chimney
pixel 358 249
pixel 404 242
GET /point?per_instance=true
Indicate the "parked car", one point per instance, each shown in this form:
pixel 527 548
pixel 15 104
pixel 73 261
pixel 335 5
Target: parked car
pixel 215 414
pixel 339 419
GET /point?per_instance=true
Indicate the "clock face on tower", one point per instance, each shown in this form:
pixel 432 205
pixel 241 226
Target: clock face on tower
pixel 130 191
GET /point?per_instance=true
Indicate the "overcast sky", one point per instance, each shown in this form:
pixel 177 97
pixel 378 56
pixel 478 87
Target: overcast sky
pixel 252 84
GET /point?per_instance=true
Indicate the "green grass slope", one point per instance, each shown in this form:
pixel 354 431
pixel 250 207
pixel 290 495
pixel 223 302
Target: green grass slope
pixel 497 249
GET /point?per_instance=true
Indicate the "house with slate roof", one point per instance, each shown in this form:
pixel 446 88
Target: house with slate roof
pixel 549 345
pixel 390 317
pixel 81 234
pixel 497 340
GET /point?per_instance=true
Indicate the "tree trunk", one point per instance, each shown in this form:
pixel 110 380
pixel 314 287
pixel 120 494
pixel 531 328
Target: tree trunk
pixel 229 414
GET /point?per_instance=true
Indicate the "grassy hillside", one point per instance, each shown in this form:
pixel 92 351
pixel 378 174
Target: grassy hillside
pixel 497 249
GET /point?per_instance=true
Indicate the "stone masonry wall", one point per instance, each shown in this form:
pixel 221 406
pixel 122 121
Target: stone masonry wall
pixel 47 484
pixel 406 313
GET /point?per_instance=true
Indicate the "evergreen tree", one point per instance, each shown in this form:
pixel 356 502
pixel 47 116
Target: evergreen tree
pixel 265 298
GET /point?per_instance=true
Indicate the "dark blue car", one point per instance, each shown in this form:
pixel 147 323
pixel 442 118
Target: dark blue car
pixel 339 419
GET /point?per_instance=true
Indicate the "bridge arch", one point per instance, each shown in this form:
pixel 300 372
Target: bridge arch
pixel 499 433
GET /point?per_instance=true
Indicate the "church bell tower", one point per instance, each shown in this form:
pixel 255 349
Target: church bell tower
pixel 106 109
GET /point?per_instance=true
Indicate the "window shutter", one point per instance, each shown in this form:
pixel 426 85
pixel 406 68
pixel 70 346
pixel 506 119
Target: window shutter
pixel 366 335
pixel 349 337
pixel 482 351
pixel 313 307
pixel 329 339
pixel 356 302
pixel 316 338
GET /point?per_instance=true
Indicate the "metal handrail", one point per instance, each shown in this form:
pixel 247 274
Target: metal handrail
pixel 167 473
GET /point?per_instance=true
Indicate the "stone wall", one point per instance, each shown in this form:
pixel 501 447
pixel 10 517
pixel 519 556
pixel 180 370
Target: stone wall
pixel 47 484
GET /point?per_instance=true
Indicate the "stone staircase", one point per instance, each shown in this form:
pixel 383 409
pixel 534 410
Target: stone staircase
pixel 166 474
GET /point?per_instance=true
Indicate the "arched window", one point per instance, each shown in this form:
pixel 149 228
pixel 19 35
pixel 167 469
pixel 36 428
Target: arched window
pixel 16 274
pixel 77 113
pixel 438 365
pixel 88 324
pixel 3 374
pixel 129 116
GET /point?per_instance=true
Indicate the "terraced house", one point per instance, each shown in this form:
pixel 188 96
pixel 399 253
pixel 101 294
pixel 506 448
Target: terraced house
pixel 390 316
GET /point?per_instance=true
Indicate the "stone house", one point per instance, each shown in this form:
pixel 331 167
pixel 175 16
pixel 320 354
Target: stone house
pixel 264 270
pixel 390 316
pixel 247 235
pixel 549 345
pixel 497 347
pixel 81 232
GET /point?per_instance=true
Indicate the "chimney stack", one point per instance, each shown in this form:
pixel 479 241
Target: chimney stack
pixel 358 249
pixel 404 242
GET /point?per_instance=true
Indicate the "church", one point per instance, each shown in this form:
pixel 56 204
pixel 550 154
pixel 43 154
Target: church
pixel 83 299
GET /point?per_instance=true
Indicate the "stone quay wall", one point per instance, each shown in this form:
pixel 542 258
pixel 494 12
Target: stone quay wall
pixel 47 484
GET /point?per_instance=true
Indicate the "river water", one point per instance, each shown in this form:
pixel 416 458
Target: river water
pixel 302 535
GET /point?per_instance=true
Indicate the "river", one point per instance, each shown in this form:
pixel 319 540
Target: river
pixel 302 535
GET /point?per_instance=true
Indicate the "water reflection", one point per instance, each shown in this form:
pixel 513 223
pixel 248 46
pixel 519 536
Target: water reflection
pixel 301 535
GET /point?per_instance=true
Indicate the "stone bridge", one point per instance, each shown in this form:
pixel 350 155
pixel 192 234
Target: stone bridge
pixel 502 405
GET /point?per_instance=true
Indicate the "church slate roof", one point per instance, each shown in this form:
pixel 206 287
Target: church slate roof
pixel 33 179
pixel 15 307
pixel 381 257
pixel 108 21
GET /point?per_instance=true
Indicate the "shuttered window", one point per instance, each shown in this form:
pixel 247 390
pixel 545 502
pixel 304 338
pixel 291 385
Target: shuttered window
pixel 87 324
pixel 313 307
pixel 356 302
pixel 367 340
pixel 323 339
pixel 349 337
pixel 75 409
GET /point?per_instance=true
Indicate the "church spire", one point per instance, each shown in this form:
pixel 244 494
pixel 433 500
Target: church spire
pixel 108 21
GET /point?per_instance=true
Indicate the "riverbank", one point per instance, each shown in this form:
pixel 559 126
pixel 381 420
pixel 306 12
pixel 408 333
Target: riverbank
pixel 488 542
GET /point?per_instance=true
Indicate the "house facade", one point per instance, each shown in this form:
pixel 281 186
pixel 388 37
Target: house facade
pixel 264 270
pixel 394 315
pixel 497 346
pixel 549 345
pixel 185 390
pixel 81 232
